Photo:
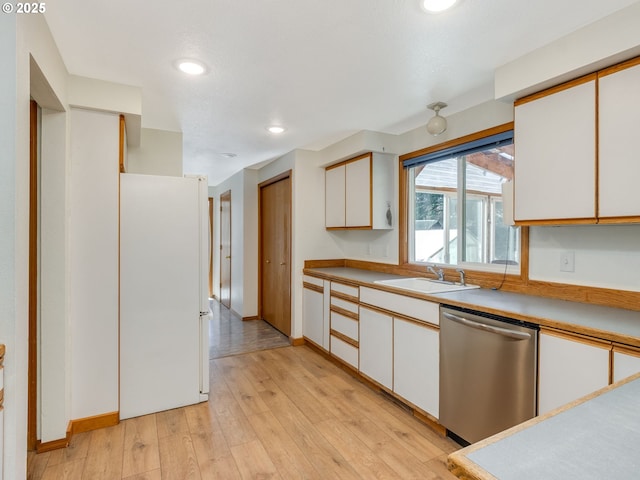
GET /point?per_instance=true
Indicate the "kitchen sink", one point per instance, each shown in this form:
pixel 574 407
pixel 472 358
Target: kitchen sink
pixel 425 285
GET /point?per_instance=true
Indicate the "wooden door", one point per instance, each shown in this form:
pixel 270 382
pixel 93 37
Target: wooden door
pixel 275 252
pixel 225 249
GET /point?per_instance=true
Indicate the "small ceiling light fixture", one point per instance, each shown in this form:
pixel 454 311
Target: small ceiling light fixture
pixel 436 124
pixel 191 67
pixel 437 6
pixel 228 155
pixel 276 129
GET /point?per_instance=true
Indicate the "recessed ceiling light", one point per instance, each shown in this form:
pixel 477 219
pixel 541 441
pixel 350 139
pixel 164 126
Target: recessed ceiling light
pixel 191 67
pixel 228 155
pixel 276 129
pixel 436 6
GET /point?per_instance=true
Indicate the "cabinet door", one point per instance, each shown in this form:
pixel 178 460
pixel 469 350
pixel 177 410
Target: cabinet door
pixel 618 120
pixel 335 197
pixel 358 192
pixel 626 362
pixel 570 369
pixel 416 358
pixel 555 166
pixel 376 346
pixel 313 316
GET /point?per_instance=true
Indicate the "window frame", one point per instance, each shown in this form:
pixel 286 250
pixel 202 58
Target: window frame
pixel 481 273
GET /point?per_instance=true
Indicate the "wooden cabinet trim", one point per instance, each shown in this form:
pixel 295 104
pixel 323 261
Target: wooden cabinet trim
pixel 619 220
pixel 558 88
pixel 311 286
pixel 576 337
pixel 619 67
pixel 420 323
pixel 562 221
pixel 627 350
pixel 344 313
pixel 344 338
pixel 344 296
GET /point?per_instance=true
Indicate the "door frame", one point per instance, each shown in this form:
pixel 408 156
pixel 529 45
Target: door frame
pixel 224 197
pixel 32 389
pixel 266 183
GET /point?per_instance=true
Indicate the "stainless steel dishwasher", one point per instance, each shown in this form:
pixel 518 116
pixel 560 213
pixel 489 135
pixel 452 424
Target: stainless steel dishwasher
pixel 487 373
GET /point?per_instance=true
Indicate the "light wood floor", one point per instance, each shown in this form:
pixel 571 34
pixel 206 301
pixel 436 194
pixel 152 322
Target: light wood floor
pixel 285 413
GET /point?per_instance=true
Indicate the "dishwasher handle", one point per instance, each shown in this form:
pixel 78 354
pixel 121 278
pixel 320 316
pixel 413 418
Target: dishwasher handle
pixel 505 332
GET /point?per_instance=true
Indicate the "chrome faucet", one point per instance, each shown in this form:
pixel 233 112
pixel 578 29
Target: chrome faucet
pixel 461 272
pixel 439 273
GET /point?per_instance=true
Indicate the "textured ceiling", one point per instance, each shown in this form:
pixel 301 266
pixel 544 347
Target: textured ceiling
pixel 322 68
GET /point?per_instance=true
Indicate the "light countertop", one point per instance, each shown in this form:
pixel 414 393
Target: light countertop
pixel 608 323
pixel 595 437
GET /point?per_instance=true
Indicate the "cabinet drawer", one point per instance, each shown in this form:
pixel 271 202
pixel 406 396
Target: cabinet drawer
pixel 344 351
pixel 344 325
pixel 345 289
pixel 345 305
pixel 407 306
pixel 318 282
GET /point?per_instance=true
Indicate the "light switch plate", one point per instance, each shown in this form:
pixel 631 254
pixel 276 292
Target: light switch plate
pixel 567 261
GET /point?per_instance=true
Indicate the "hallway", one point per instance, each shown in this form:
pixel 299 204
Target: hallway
pixel 230 335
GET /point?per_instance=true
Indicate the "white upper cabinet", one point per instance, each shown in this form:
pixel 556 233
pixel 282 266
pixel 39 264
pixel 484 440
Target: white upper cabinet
pixel 334 197
pixel 359 193
pixel 555 142
pixel 619 125
pixel 576 153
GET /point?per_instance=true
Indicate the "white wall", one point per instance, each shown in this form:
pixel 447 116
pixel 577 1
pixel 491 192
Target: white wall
pixel 159 153
pixel 595 46
pixel 250 247
pixel 244 242
pixel 605 255
pixel 14 320
pixel 20 37
pixel 54 396
pixel 94 273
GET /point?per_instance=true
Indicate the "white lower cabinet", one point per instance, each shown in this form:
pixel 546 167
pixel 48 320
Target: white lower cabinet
pixel 416 364
pixel 315 313
pixel 626 362
pixel 570 368
pixel 376 346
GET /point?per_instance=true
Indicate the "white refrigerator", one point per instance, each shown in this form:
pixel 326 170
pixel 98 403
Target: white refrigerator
pixel 164 304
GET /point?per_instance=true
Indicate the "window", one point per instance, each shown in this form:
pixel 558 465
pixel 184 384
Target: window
pixel 455 208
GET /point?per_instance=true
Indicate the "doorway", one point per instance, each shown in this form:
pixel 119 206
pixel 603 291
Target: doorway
pixel 211 247
pixel 274 271
pixel 225 249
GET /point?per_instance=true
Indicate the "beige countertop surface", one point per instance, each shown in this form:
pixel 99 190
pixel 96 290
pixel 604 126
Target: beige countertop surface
pixel 608 323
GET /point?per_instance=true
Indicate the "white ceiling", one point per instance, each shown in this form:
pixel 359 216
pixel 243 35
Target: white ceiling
pixel 324 69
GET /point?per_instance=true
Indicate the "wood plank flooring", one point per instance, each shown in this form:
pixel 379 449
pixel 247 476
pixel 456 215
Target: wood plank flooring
pixel 285 413
pixel 273 413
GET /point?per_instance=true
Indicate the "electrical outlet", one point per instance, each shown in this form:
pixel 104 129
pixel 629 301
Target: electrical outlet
pixel 567 261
